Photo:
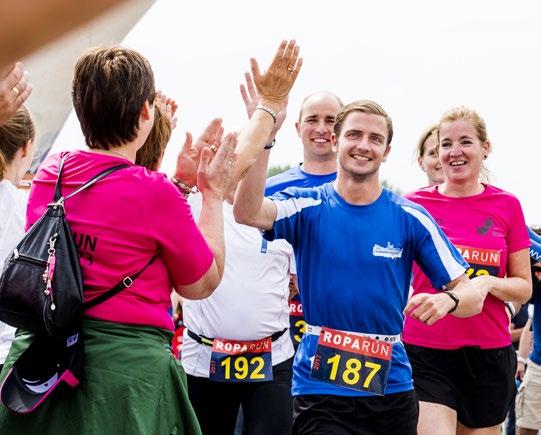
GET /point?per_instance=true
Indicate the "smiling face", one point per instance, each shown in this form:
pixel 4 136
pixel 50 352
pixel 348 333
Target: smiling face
pixel 361 145
pixel 461 151
pixel 430 162
pixel 315 126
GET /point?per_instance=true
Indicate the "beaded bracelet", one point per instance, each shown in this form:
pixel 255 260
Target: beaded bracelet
pixel 184 188
pixel 268 110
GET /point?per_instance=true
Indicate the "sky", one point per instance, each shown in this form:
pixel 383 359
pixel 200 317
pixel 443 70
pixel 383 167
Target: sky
pixel 415 58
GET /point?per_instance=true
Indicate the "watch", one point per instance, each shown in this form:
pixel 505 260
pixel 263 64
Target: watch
pixel 270 145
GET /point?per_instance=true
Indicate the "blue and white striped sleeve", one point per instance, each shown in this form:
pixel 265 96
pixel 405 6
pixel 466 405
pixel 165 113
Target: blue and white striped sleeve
pixel 535 247
pixel 434 253
pixel 290 204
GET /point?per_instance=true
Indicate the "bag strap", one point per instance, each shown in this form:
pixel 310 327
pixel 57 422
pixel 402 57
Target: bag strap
pixel 125 283
pixel 91 182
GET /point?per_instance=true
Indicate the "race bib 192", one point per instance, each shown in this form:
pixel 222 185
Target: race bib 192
pixel 352 361
pixel 241 361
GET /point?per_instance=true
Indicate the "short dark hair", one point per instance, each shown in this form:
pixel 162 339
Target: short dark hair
pixel 109 89
pixel 364 106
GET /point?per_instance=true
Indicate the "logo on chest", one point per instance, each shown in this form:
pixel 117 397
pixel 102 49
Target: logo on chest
pixel 388 251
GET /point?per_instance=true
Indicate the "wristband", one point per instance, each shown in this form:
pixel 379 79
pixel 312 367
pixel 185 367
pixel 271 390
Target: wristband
pixel 522 360
pixel 268 110
pixel 184 188
pixel 270 145
pixel 455 300
pixel 511 308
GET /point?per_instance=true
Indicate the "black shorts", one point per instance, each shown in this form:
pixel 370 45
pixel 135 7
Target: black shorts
pixel 479 384
pixel 266 406
pixel 342 415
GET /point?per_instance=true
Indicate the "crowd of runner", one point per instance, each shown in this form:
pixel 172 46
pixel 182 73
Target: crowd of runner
pixel 312 302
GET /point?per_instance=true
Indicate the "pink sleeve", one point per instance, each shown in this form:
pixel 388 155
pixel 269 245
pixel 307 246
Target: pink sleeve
pixel 517 233
pixel 182 246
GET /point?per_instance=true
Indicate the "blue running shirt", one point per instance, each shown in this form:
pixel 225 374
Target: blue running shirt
pixel 354 265
pixel 296 177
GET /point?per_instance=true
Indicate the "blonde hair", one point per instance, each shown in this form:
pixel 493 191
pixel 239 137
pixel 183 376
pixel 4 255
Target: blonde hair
pixel 429 132
pixel 151 152
pixel 478 123
pixel 14 135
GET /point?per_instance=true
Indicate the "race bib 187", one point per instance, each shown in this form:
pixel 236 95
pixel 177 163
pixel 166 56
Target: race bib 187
pixel 352 361
pixel 241 361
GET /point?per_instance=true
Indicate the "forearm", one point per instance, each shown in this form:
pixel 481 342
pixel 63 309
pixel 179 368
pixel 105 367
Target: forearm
pixel 510 289
pixel 525 342
pixel 211 225
pixel 252 140
pixel 516 333
pixel 251 207
pixel 470 297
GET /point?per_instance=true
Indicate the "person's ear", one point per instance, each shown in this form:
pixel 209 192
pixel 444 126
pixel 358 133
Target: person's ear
pixel 334 143
pixel 386 153
pixel 146 111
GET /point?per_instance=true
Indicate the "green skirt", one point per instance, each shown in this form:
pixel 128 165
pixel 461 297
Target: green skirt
pixel 133 385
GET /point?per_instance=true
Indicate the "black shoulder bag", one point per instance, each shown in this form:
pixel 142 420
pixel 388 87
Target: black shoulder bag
pixel 41 286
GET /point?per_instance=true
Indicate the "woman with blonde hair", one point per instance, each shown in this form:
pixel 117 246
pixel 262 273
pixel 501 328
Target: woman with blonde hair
pixel 463 369
pixel 17 137
pixel 426 154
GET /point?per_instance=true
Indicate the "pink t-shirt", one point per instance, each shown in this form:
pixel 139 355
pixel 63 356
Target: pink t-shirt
pixel 118 224
pixel 486 228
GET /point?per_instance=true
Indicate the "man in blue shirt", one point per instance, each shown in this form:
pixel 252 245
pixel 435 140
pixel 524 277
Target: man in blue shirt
pixel 314 128
pixel 355 243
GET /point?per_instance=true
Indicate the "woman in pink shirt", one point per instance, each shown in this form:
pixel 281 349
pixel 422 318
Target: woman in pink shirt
pixel 463 369
pixel 133 384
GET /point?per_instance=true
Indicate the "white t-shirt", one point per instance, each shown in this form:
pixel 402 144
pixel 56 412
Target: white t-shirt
pixel 250 303
pixel 12 219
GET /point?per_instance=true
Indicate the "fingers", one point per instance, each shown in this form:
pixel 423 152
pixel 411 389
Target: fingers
pixel 279 56
pixel 297 68
pixel 244 95
pixel 256 74
pixel 211 130
pixel 187 143
pixel 289 58
pixel 14 76
pixel 204 161
pixel 250 86
pixel 426 308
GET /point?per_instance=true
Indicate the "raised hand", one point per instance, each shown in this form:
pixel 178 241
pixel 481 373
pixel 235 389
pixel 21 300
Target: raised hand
pixel 14 90
pixel 274 84
pixel 168 107
pixel 190 154
pixel 251 100
pixel 216 168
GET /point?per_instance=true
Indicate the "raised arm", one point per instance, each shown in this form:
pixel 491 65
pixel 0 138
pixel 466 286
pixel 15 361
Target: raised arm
pixel 14 90
pixel 213 177
pixel 251 208
pixel 273 87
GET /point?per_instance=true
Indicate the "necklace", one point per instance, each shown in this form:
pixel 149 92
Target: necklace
pixel 119 154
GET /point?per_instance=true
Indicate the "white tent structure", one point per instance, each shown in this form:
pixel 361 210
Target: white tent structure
pixel 51 69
